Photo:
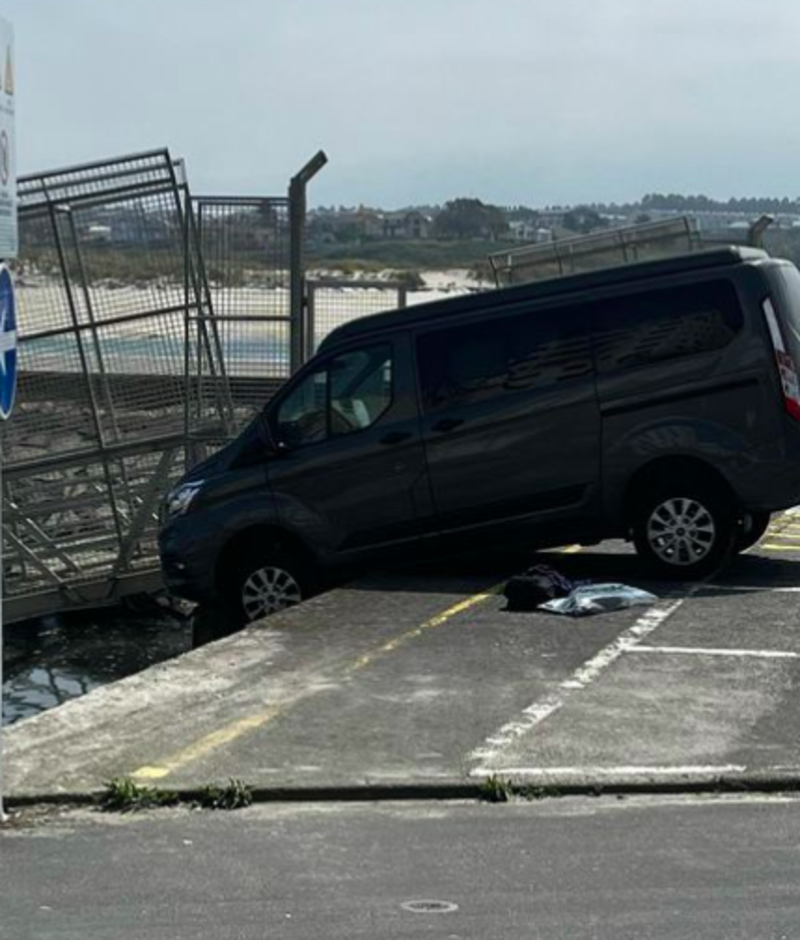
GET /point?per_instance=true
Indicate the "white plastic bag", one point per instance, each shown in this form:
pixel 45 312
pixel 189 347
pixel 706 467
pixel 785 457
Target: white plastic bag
pixel 597 599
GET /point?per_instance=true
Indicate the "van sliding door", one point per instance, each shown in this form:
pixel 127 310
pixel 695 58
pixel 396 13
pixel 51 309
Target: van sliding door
pixel 511 427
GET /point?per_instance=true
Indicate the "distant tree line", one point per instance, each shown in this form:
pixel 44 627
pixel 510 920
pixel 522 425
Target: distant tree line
pixel 470 218
pixel 676 202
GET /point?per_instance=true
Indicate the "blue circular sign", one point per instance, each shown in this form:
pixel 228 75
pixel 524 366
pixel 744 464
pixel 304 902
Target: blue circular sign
pixel 8 343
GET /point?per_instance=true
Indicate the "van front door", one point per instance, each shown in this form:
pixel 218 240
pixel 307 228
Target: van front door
pixel 511 425
pixel 351 475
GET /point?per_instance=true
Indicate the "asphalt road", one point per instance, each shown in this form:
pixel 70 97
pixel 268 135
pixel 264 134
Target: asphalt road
pixel 602 869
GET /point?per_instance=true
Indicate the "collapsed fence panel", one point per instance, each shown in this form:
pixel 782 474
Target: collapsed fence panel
pixel 107 277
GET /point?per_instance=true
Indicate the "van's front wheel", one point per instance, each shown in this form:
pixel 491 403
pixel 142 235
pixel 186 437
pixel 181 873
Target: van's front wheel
pixel 272 586
pixel 263 582
pixel 683 530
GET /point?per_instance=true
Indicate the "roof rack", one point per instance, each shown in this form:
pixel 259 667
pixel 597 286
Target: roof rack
pixel 631 243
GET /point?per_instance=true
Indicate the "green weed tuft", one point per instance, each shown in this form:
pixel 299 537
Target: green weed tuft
pixel 123 795
pixel 495 790
pixel 235 795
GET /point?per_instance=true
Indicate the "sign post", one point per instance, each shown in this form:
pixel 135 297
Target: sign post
pixel 9 242
pixel 8 390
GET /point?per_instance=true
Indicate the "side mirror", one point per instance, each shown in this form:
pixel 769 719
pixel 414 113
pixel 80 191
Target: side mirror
pixel 273 445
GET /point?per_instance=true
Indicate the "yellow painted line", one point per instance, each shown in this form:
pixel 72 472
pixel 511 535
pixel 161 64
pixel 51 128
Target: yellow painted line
pixel 243 726
pixel 207 744
pixel 570 550
pixel 789 536
pixel 434 622
pixel 781 548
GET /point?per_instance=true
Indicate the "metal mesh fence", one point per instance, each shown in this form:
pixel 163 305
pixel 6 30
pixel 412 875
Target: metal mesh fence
pixel 107 277
pixel 332 303
pixel 246 351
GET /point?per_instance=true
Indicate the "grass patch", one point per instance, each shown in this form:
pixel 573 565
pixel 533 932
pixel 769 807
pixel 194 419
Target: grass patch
pixel 424 254
pixel 495 790
pixel 235 795
pixel 123 795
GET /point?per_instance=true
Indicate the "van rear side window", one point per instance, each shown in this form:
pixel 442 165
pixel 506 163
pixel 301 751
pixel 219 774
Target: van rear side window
pixel 642 329
pixel 500 355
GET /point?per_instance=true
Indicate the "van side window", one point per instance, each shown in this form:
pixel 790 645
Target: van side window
pixel 303 414
pixel 479 361
pixel 655 326
pixel 360 387
pixel 348 393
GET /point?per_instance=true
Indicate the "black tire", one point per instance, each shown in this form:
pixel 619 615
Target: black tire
pixel 684 528
pixel 752 526
pixel 267 581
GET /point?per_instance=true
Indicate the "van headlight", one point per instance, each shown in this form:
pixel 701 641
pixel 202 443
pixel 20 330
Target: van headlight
pixel 179 500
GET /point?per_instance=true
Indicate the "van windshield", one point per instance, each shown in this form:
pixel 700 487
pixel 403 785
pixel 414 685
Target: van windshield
pixel 785 280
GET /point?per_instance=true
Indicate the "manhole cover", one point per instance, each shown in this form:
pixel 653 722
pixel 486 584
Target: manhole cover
pixel 429 907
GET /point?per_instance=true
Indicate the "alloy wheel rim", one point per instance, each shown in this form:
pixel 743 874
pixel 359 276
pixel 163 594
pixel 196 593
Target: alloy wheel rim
pixel 268 590
pixel 681 531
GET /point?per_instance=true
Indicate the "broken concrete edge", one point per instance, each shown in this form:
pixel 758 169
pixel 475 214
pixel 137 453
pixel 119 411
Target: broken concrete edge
pixel 491 789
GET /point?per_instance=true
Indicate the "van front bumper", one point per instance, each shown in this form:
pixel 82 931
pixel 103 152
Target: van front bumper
pixel 186 566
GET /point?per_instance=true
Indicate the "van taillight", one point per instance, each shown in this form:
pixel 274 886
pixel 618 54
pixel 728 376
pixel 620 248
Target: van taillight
pixel 787 370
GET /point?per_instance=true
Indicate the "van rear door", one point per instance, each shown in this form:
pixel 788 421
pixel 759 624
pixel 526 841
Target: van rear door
pixel 782 313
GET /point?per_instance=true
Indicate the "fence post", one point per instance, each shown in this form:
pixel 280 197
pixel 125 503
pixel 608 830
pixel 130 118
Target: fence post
pixel 297 231
pixel 311 321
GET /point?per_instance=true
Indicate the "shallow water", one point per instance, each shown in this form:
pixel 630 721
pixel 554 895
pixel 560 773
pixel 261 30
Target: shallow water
pixel 50 661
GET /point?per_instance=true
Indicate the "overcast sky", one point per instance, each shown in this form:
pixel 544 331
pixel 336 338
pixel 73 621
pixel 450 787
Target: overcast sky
pixel 513 101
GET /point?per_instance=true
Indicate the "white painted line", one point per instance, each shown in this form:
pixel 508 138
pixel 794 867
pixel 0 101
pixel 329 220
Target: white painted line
pixel 702 651
pixel 752 589
pixel 537 712
pixel 596 772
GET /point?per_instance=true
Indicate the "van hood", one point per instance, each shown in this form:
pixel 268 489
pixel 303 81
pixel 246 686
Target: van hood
pixel 253 438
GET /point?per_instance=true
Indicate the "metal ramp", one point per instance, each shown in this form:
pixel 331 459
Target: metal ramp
pixel 611 248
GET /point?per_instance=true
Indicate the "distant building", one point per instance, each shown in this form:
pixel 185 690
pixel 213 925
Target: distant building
pixel 368 224
pixel 410 225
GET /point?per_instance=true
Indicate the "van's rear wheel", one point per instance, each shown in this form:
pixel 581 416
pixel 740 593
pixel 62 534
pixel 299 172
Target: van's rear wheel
pixel 683 529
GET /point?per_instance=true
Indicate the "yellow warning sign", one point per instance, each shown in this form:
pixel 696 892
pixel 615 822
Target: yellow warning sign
pixel 8 75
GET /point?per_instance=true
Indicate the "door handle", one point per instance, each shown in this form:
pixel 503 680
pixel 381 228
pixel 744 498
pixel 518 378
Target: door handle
pixel 395 437
pixel 447 424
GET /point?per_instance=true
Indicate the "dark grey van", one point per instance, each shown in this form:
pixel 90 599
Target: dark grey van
pixel 657 402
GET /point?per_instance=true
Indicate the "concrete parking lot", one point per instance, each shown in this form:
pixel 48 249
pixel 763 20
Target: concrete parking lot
pixel 423 678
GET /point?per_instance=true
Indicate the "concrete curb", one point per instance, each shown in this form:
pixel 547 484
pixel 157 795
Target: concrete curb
pixel 540 786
